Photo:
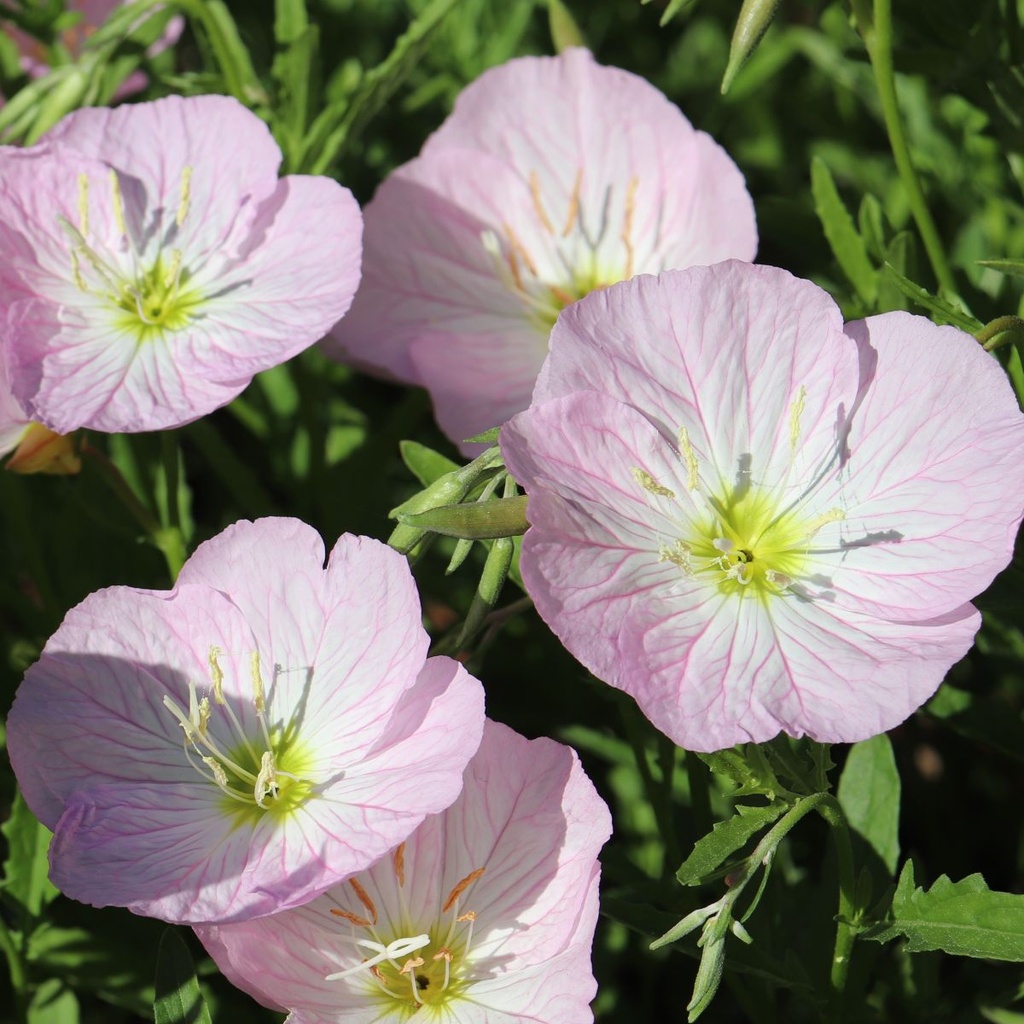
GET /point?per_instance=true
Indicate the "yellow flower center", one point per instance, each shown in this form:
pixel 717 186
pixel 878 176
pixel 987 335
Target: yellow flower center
pixel 146 302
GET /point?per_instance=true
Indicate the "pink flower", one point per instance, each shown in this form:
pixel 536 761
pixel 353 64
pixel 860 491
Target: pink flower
pixel 752 518
pixel 552 177
pixel 485 914
pixel 153 262
pixel 239 744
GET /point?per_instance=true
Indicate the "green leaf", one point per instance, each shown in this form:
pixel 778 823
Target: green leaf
pixel 214 20
pixel 964 918
pixel 942 312
pixel 26 869
pixel 674 7
pixel 748 767
pixel 424 463
pixel 340 123
pixel 1015 268
pixel 997 1015
pixel 846 243
pixel 751 24
pixel 726 838
pixel 178 999
pixel 53 1003
pixel 869 792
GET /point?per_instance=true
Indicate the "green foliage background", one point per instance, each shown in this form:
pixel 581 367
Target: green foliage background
pixel 315 440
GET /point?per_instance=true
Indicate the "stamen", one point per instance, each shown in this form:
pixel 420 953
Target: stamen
pixel 364 898
pixel 833 515
pixel 398 858
pixel 627 224
pixel 118 203
pixel 219 775
pixel 172 276
pixel 266 781
pixel 347 915
pixel 574 204
pixel 778 579
pixel 461 888
pixel 216 675
pixel 83 204
pixel 411 964
pixel 520 249
pixel 446 955
pixel 258 700
pixel 689 457
pixel 76 271
pixel 795 411
pixel 649 484
pixel 186 195
pixel 680 554
pixel 537 204
pixel 400 947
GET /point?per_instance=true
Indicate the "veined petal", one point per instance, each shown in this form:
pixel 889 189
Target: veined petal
pixel 933 501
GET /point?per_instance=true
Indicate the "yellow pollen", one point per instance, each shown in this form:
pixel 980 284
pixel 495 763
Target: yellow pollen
pixel 680 554
pixel 411 964
pixel 218 771
pixel 257 684
pixel 649 484
pixel 398 858
pixel 83 203
pixel 364 898
pixel 574 204
pixel 538 205
pixel 379 975
pixel 76 270
pixel 186 195
pixel 443 954
pixel 118 202
pixel 795 412
pixel 460 889
pixel 203 715
pixel 469 915
pixel 689 457
pixel 266 781
pixel 216 675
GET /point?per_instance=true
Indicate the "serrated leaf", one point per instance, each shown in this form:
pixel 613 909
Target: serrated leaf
pixel 26 869
pixel 424 463
pixel 942 311
pixel 964 918
pixel 178 999
pixel 869 792
pixel 748 767
pixel 845 241
pixel 726 838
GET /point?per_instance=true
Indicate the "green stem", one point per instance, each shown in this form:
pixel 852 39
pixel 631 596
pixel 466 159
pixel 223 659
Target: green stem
pixel 846 931
pixel 699 777
pixel 171 540
pixel 999 331
pixel 876 30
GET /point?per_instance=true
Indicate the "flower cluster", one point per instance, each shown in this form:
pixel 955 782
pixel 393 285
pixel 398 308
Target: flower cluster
pixel 552 177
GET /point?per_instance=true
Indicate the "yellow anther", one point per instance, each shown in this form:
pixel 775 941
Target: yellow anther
pixel 469 915
pixel 118 202
pixel 443 954
pixel 680 554
pixel 173 270
pixel 411 964
pixel 833 515
pixel 216 675
pixel 795 412
pixel 689 457
pixel 347 915
pixel 218 771
pixel 574 204
pixel 186 195
pixel 76 270
pixel 266 781
pixel 259 702
pixel 460 889
pixel 203 715
pixel 83 203
pixel 649 484
pixel 398 858
pixel 520 250
pixel 537 204
pixel 364 898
